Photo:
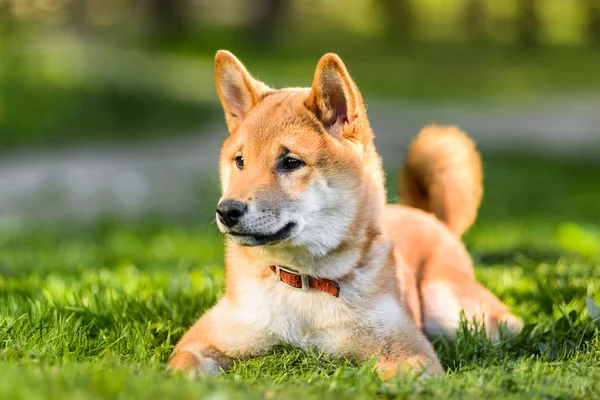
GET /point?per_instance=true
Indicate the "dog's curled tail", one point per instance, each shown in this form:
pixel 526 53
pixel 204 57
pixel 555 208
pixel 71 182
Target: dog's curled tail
pixel 443 175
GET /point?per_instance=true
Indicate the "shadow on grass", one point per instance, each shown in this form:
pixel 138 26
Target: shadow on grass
pixel 519 254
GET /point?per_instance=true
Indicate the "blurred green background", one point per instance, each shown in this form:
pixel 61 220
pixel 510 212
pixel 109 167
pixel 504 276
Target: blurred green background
pixel 88 70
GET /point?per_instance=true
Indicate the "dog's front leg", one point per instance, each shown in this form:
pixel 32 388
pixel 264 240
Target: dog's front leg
pixel 218 338
pixel 408 352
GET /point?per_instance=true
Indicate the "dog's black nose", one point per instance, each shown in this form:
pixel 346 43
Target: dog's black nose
pixel 230 212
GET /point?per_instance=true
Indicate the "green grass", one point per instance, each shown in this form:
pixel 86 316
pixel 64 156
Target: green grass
pixel 93 311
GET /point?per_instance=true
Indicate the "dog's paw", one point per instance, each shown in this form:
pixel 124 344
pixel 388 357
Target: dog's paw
pixel 512 323
pixel 506 323
pixel 193 365
pixel 421 367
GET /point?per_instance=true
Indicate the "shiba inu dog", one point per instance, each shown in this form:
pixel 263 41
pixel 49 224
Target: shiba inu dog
pixel 314 256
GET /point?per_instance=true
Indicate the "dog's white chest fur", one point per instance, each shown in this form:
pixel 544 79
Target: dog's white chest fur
pixel 313 318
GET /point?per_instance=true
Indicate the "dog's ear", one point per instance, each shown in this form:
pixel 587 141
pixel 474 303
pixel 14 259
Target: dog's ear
pixel 334 97
pixel 237 89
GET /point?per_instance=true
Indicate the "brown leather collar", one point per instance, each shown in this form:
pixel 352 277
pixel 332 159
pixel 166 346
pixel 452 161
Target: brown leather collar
pixel 295 280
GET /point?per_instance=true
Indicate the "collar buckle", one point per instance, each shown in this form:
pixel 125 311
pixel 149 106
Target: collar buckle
pixel 303 278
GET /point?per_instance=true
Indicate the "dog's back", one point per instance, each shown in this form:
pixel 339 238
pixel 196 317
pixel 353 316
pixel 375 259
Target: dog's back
pixel 441 188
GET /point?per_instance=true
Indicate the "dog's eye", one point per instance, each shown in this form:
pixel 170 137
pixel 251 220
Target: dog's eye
pixel 239 162
pixel 290 163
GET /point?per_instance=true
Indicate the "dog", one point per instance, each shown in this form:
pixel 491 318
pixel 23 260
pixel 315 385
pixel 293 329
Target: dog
pixel 315 258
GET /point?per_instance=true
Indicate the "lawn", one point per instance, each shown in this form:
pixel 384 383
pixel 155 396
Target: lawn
pixel 93 311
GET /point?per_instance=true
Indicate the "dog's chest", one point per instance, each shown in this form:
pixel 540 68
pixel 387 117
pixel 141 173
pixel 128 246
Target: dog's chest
pixel 301 318
pixel 314 318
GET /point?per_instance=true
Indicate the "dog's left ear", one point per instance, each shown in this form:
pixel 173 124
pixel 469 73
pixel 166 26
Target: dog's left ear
pixel 334 97
pixel 238 91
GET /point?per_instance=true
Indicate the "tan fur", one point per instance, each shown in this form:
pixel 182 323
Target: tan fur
pixel 442 174
pixel 402 272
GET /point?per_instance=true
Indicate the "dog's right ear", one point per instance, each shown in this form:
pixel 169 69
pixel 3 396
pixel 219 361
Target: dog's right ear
pixel 237 89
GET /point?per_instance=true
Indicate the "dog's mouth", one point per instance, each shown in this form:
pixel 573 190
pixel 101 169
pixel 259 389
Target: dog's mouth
pixel 255 239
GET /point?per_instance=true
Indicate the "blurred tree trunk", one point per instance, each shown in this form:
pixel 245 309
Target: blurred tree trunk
pixel 7 25
pixel 475 18
pixel 592 13
pixel 527 23
pixel 398 19
pixel 269 18
pixel 169 18
pixel 78 15
pixel 6 17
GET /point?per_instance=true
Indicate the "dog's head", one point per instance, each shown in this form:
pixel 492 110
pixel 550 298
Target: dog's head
pixel 295 165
